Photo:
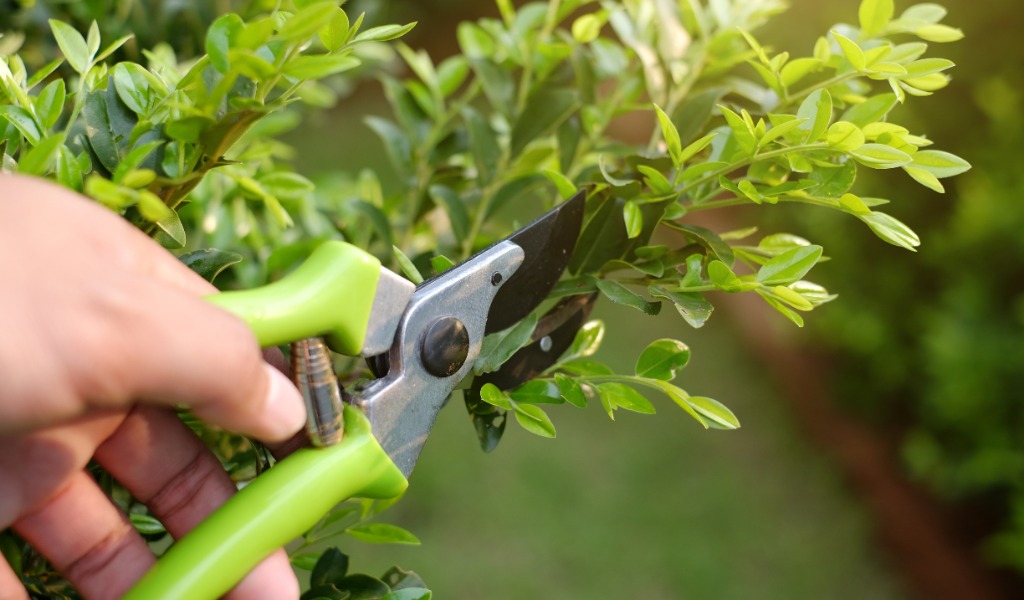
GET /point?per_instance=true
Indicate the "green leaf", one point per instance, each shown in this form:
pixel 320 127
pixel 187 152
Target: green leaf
pixel 566 188
pixel 782 308
pixel 892 230
pixel 715 412
pixel 875 15
pixel 331 568
pixel 620 294
pixel 441 263
pixel 455 208
pixel 851 51
pixel 925 178
pixel 940 164
pixel 499 347
pixel 23 122
pixel 723 278
pixel 334 34
pixel 655 180
pixel 671 136
pixel 533 419
pixel 871 110
pixel 396 143
pixel 853 204
pixel 220 38
pixel 210 262
pixel 939 33
pixel 307 21
pixel 570 390
pixel 845 136
pixel 492 395
pixel 384 33
pixel 662 359
pixel 537 391
pixel 410 270
pixel 619 395
pixel 134 86
pixel 634 219
pixel 411 593
pixel 287 185
pixel 834 181
pixel 881 156
pixel 474 41
pixel 588 339
pixel 817 109
pixel 41 159
pixel 545 110
pixel 797 69
pixel 692 150
pixel 305 561
pixel 586 28
pixel 146 524
pixel 50 103
pixel 382 533
pixel 172 232
pixel 319 66
pixel 741 131
pixel 694 309
pixel 73 45
pixel 789 266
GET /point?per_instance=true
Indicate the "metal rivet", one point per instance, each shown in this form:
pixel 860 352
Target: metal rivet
pixel 546 343
pixel 496 279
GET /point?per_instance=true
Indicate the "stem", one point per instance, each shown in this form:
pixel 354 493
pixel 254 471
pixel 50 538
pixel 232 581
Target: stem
pixel 790 98
pixel 524 81
pixel 746 162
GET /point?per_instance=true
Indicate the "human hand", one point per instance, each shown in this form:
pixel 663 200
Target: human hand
pixel 101 333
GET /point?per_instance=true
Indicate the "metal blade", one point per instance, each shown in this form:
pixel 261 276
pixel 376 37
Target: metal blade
pixel 551 338
pixel 548 243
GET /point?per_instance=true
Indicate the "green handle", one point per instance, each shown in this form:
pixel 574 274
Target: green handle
pixel 330 295
pixel 275 508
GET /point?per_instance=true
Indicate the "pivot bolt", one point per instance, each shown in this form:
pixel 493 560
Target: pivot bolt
pixel 444 347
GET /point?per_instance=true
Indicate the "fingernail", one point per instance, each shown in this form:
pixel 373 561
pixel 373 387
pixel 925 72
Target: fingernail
pixel 285 412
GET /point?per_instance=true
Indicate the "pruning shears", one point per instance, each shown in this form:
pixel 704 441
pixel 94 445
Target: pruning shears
pixel 423 341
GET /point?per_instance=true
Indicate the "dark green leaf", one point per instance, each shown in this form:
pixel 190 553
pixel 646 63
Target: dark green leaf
pixel 398 578
pixel 458 216
pixel 545 110
pixel 723 277
pixel 620 395
pixel 583 367
pixel 535 420
pixel 620 294
pixel 694 309
pixel 210 262
pixel 662 359
pixel 362 587
pixel 109 126
pixel 789 266
pixel 396 143
pixel 331 568
pixel 717 247
pixel 484 144
pixel 382 533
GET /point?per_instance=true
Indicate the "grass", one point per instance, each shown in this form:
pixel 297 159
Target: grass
pixel 645 507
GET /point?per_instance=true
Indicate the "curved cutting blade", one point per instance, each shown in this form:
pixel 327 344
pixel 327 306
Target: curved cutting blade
pixel 548 243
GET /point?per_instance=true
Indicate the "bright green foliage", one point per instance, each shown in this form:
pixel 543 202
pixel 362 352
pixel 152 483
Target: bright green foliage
pixel 181 141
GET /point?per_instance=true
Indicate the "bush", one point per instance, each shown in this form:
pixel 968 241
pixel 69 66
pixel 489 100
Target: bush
pixel 183 145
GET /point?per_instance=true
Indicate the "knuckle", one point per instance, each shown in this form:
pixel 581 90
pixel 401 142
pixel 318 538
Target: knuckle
pixel 181 491
pixel 103 557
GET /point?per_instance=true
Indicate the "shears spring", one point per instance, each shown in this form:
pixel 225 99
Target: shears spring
pixel 313 374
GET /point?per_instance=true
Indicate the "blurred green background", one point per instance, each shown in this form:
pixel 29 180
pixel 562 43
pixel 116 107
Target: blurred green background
pixel 924 353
